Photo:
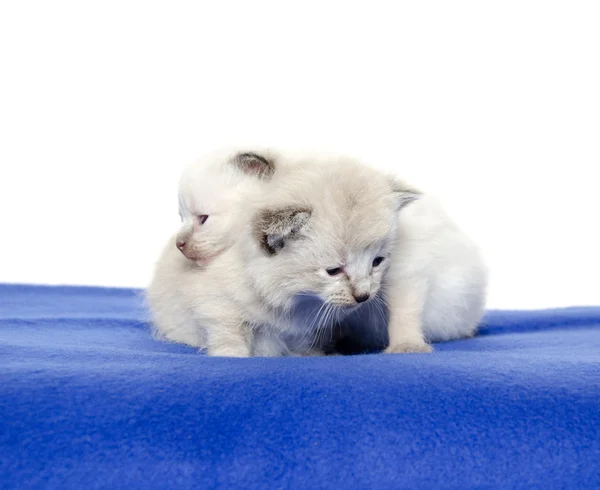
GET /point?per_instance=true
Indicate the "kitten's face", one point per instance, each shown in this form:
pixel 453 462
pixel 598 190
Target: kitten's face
pixel 211 203
pixel 208 220
pixel 347 251
pixel 349 276
pixel 339 248
pixel 356 276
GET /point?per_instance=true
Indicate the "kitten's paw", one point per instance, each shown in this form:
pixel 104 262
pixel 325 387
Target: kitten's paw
pixel 314 353
pixel 229 352
pixel 408 347
pixel 307 353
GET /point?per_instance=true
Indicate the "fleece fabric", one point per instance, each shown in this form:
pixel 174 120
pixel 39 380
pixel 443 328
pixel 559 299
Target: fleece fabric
pixel 88 399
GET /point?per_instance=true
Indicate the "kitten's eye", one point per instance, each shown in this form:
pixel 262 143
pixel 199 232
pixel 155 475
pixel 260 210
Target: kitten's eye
pixel 378 261
pixel 334 271
pixel 202 218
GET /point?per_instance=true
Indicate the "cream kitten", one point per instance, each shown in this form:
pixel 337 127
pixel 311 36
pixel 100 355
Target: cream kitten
pixel 346 242
pixel 323 244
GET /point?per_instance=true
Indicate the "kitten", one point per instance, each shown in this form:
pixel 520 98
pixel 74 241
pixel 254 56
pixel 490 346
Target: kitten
pixel 433 291
pixel 436 286
pixel 323 245
pixel 196 277
pixel 353 234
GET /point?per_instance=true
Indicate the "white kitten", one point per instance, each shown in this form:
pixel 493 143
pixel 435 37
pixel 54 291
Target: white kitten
pixel 194 295
pixel 436 285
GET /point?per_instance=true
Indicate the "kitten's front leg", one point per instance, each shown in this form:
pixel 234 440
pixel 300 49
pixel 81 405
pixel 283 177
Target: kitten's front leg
pixel 405 303
pixel 266 343
pixel 229 339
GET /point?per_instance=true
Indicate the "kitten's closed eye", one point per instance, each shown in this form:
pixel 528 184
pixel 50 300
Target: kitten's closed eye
pixel 378 261
pixel 334 271
pixel 202 218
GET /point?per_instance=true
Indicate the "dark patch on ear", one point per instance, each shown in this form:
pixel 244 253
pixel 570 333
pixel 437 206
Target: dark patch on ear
pixel 274 227
pixel 254 164
pixel 403 193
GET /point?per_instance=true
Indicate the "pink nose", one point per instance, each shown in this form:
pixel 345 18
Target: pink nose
pixel 180 244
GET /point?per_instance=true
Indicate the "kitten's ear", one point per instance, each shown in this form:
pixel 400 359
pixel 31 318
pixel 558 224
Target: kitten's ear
pixel 254 164
pixel 274 227
pixel 404 193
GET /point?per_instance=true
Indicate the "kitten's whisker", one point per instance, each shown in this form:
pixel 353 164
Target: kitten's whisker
pixel 338 311
pixel 325 325
pixel 322 324
pixel 309 330
pixel 381 308
pixel 330 322
pixel 316 333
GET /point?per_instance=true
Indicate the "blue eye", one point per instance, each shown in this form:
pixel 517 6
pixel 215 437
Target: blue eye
pixel 378 261
pixel 202 218
pixel 334 271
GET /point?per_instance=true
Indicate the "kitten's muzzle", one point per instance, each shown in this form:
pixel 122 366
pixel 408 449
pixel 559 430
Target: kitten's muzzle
pixel 188 250
pixel 361 298
pixel 194 253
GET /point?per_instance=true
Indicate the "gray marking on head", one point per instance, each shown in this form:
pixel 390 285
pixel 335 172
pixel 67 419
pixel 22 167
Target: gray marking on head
pixel 253 164
pixel 273 227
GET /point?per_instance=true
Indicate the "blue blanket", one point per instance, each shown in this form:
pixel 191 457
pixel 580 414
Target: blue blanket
pixel 88 399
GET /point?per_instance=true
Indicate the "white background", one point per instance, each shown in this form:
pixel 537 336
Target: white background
pixel 494 106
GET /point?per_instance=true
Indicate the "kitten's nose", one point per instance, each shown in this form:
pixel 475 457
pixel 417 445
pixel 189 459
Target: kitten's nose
pixel 180 244
pixel 361 298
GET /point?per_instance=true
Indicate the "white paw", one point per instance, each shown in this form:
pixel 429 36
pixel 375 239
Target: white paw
pixel 314 353
pixel 408 347
pixel 229 352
